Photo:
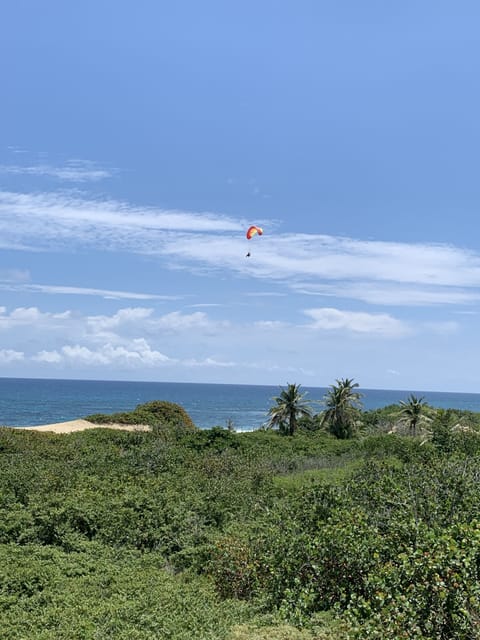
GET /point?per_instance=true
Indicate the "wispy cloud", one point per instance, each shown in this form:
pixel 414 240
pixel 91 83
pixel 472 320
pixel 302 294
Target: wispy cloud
pixel 45 220
pixel 265 294
pixel 209 362
pixel 391 294
pixel 375 272
pixel 111 294
pixel 446 328
pixel 73 171
pixel 200 305
pixel 321 260
pixel 348 259
pixel 14 275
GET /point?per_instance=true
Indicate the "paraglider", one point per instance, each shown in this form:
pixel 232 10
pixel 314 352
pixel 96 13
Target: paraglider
pixel 253 231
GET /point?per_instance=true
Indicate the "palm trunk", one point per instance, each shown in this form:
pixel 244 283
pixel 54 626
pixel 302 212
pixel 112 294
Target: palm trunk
pixel 292 425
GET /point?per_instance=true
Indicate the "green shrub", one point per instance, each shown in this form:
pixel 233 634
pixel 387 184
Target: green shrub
pixel 380 528
pixel 98 594
pixel 162 416
pixel 427 592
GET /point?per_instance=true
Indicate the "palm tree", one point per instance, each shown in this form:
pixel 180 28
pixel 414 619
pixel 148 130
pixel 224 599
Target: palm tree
pixel 290 405
pixel 342 403
pixel 412 413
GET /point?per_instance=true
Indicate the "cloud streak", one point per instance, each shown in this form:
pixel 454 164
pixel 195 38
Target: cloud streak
pixel 74 171
pixel 375 272
pixel 111 294
pixel 393 293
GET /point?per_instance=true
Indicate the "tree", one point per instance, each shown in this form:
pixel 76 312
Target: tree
pixel 290 406
pixel 413 413
pixel 342 404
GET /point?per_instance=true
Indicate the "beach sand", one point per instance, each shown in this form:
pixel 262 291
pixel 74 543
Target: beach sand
pixel 81 425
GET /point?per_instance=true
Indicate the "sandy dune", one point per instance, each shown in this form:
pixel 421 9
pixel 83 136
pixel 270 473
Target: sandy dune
pixel 81 425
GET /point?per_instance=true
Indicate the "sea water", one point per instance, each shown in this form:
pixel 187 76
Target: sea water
pixel 31 402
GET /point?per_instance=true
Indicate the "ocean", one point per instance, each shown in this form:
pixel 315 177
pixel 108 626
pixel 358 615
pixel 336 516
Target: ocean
pixel 31 402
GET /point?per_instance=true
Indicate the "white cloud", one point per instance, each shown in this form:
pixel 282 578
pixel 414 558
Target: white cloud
pixel 140 343
pixel 329 319
pixel 31 317
pixel 176 321
pixel 100 324
pixel 106 341
pixel 137 354
pixel 10 355
pixel 270 324
pixel 51 357
pixel 143 320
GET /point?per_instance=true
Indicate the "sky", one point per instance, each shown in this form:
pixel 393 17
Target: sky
pixel 139 141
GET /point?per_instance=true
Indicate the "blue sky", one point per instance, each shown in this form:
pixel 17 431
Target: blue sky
pixel 138 141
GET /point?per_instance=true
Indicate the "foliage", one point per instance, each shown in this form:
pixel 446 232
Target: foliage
pixel 216 534
pixel 162 416
pixel 412 413
pixel 322 547
pixel 290 406
pixel 98 594
pixel 381 420
pixel 342 404
pixel 430 590
pixel 456 431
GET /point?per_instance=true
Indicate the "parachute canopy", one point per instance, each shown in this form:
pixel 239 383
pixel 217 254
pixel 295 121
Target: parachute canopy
pixel 252 231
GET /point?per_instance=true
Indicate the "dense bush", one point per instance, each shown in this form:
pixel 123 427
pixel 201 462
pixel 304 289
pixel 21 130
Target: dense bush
pixel 98 594
pixel 161 416
pixel 334 547
pixel 374 536
pixel 428 591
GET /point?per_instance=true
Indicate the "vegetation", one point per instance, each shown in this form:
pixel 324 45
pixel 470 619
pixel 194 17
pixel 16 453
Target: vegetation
pixel 342 404
pixel 329 533
pixel 412 412
pixel 290 406
pixel 164 417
